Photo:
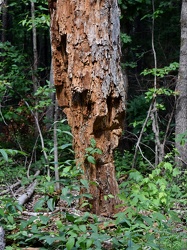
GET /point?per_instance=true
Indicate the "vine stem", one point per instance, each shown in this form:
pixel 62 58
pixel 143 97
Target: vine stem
pixel 152 112
pixel 39 131
pixel 141 134
pixel 159 148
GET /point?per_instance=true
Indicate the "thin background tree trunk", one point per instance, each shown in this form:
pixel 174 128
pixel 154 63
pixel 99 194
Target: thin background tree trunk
pixel 56 164
pixel 35 58
pixel 90 86
pixel 4 19
pixel 35 53
pixel 181 107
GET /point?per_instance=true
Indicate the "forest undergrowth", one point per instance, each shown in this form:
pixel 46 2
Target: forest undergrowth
pixel 152 214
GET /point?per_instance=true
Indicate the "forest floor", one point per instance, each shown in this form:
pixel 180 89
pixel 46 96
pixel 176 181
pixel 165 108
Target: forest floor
pixel 52 214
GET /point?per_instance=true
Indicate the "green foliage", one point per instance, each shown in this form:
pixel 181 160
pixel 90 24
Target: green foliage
pixel 153 230
pixel 65 151
pixel 92 151
pixel 147 222
pixel 163 71
pixel 15 76
pixel 125 38
pixel 43 94
pixel 9 212
pixel 8 158
pixel 42 19
pixel 153 191
pixel 6 152
pixel 182 138
pixel 14 68
pixel 136 112
pixel 151 93
pixel 72 232
pixel 122 162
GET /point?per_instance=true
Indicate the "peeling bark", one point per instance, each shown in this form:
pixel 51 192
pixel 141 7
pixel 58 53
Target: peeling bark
pixel 90 86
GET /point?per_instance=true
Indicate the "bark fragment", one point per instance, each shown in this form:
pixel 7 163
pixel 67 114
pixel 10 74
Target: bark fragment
pixel 90 86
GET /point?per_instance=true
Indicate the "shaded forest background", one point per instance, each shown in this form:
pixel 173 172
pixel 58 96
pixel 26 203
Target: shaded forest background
pixel 18 67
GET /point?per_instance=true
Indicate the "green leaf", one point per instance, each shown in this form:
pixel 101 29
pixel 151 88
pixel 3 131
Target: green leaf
pixel 65 191
pixel 4 154
pixel 49 240
pixel 168 166
pixel 59 224
pixel 19 207
pixel 66 169
pixel 34 229
pixel 136 175
pixel 1 212
pixel 44 219
pixel 122 220
pixel 93 143
pixel 85 183
pixel 89 150
pixel 176 172
pixel 39 204
pixel 83 228
pixel 10 219
pixel 111 196
pixel 91 159
pixel 148 220
pixel 65 146
pixel 66 132
pixel 158 216
pixel 98 151
pixel 51 204
pixel 132 245
pixel 70 243
pixel 94 228
pixel 89 243
pixel 70 217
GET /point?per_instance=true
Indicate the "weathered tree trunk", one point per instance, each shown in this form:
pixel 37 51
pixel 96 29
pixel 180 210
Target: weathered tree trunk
pixel 90 86
pixel 4 7
pixel 181 108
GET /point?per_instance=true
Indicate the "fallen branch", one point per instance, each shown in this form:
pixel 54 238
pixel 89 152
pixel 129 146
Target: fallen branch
pixel 10 188
pixel 40 213
pixel 24 197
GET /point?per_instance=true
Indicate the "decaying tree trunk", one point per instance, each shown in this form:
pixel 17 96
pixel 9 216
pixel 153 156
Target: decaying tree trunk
pixel 181 107
pixel 90 86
